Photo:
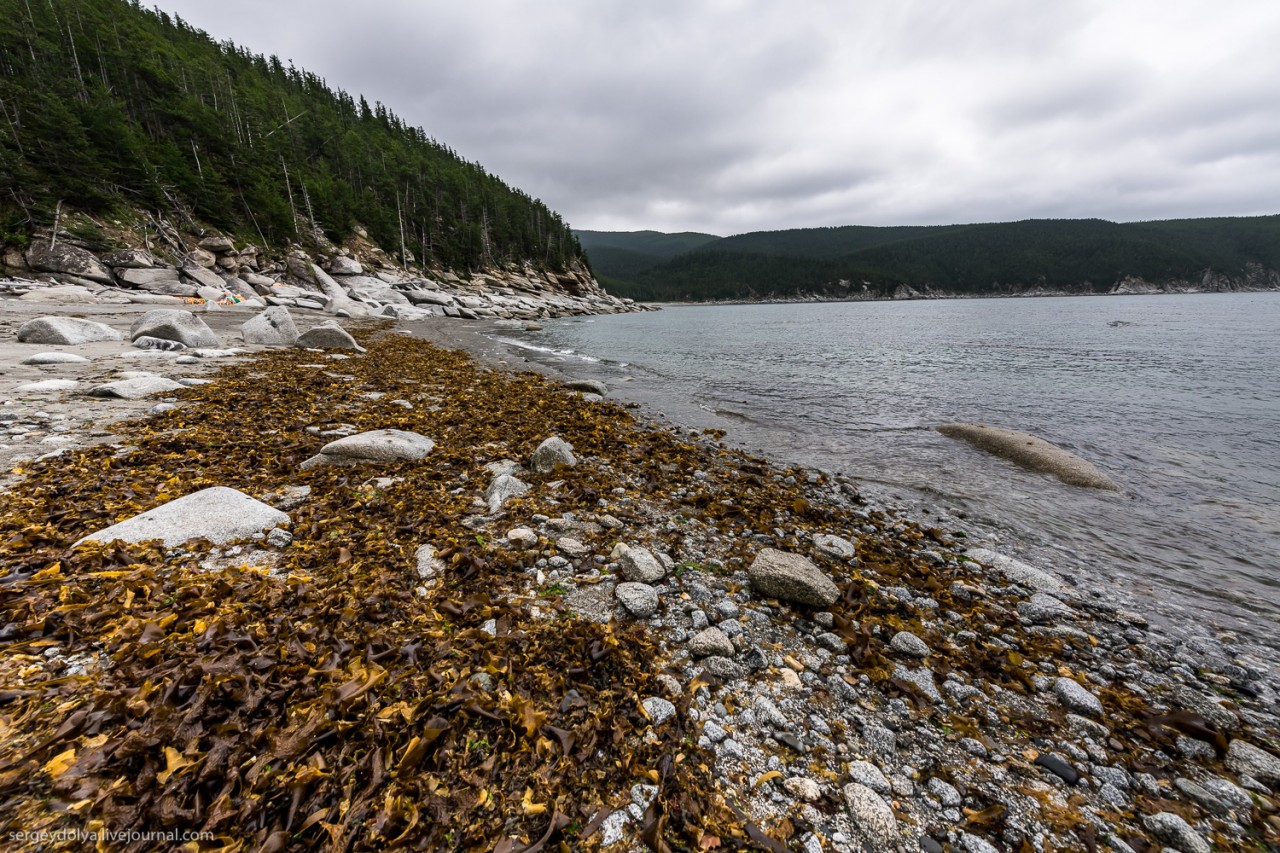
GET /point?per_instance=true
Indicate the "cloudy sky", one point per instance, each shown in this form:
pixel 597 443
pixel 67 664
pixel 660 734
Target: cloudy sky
pixel 728 116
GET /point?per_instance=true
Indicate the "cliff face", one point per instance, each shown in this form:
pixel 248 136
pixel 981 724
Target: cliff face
pixel 1255 278
pixel 157 263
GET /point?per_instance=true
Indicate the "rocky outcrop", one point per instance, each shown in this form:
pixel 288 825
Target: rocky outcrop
pixel 68 260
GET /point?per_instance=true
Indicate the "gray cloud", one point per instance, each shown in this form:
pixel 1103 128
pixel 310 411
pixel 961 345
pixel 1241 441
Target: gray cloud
pixel 736 115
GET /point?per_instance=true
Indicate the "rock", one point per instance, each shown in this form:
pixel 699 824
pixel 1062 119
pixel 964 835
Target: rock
pixel 374 292
pixel 68 260
pixel 658 710
pixel 279 538
pixel 591 386
pixel 551 454
pixel 711 641
pixel 55 358
pixel 133 259
pixel 67 331
pixel 1033 453
pixel 522 537
pixel 204 277
pixel 640 599
pixel 1043 609
pixel 1171 829
pixel 1058 767
pixel 337 302
pixel 137 388
pixel 218 514
pixel 48 386
pixel 1076 698
pixel 62 295
pixel 174 325
pixel 872 818
pixel 921 678
pixel 834 546
pixel 1248 760
pixel 379 445
pixel 909 644
pixel 866 773
pixel 343 265
pixel 328 335
pixel 974 844
pixel 273 328
pixel 802 788
pixel 216 243
pixel 146 342
pixel 1016 571
pixel 428 565
pixel 637 564
pixel 944 791
pixel 571 547
pixel 145 277
pixel 791 577
pixel 503 488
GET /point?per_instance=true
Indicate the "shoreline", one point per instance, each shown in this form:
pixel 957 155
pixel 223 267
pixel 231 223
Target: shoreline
pixel 824 720
pixel 1047 294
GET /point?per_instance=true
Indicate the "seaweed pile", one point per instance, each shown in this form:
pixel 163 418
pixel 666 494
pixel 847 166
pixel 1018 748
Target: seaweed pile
pixel 327 694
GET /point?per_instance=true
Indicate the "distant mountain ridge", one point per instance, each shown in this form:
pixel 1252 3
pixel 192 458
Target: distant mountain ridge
pixel 1035 256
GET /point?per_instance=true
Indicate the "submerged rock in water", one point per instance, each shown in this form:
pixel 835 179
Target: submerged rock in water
pixel 1031 452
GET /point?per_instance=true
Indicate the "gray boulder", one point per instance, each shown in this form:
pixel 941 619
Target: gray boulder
pixel 172 324
pixel 1031 452
pixel 328 335
pixel 137 388
pixel 343 265
pixel 203 277
pixel 591 386
pixel 55 358
pixel 337 302
pixel 273 327
pixel 1076 698
pixel 791 577
pixel 835 547
pixel 48 386
pixel 503 488
pixel 1171 829
pixel 65 330
pixel 217 243
pixel 379 445
pixel 551 454
pixel 637 564
pixel 639 599
pixel 218 514
pixel 1248 760
pixel 147 277
pixel 134 259
pixel 68 260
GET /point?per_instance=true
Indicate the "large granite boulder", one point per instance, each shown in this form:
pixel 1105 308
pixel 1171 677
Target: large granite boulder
pixel 66 331
pixel 218 514
pixel 366 289
pixel 203 277
pixel 273 328
pixel 68 260
pixel 503 488
pixel 791 577
pixel 343 265
pixel 379 445
pixel 174 325
pixel 337 302
pixel 551 454
pixel 148 276
pixel 217 244
pixel 327 335
pixel 129 259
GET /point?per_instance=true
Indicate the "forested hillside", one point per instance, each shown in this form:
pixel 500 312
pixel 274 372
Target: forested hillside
pixel 109 106
pixel 1065 255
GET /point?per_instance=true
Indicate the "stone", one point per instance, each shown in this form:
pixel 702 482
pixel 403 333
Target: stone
pixel 428 565
pixel 67 331
pixel 872 818
pixel 834 547
pixel 1031 452
pixel 503 488
pixel 974 844
pixel 711 641
pixel 134 259
pixel 387 446
pixel 639 599
pixel 791 577
pixel 944 791
pixel 658 710
pixel 55 358
pixel 802 788
pixel 279 538
pixel 64 294
pixel 48 386
pixel 204 277
pixel 137 388
pixel 1058 767
pixel 591 386
pixel 522 537
pixel 216 243
pixel 160 344
pixel 343 265
pixel 327 335
pixel 1016 571
pixel 1171 829
pixel 1043 608
pixel 1248 760
pixel 571 547
pixel 866 773
pixel 921 678
pixel 637 564
pixel 551 454
pixel 174 325
pixel 218 514
pixel 149 276
pixel 68 260
pixel 909 644
pixel 337 302
pixel 1076 698
pixel 274 327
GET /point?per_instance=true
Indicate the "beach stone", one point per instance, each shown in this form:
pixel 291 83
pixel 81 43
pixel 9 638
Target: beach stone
pixel 149 278
pixel 343 265
pixel 945 792
pixel 1016 571
pixel 835 547
pixel 279 538
pixel 379 445
pixel 218 514
pixel 866 773
pixel 921 678
pixel 1043 608
pixel 66 331
pixel 791 577
pixel 551 454
pixel 68 260
pixel 591 386
pixel 66 294
pixel 173 324
pixel 658 709
pixel 571 547
pixel 1171 829
pixel 522 537
pixel 503 488
pixel 55 358
pixel 216 243
pixel 907 643
pixel 637 564
pixel 327 335
pixel 1076 698
pixel 134 259
pixel 274 327
pixel 974 844
pixel 48 386
pixel 639 599
pixel 148 342
pixel 428 565
pixel 711 641
pixel 137 388
pixel 1248 760
pixel 872 818
pixel 802 788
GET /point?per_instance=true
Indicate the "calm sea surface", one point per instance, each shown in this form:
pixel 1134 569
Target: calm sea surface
pixel 1176 397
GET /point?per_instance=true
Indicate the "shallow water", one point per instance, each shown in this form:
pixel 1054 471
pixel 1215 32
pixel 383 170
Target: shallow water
pixel 1177 398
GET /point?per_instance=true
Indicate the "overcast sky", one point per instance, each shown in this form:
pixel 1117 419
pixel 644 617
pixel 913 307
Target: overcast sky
pixel 732 115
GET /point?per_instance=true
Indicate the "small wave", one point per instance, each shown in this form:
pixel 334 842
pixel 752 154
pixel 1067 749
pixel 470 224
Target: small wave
pixel 548 350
